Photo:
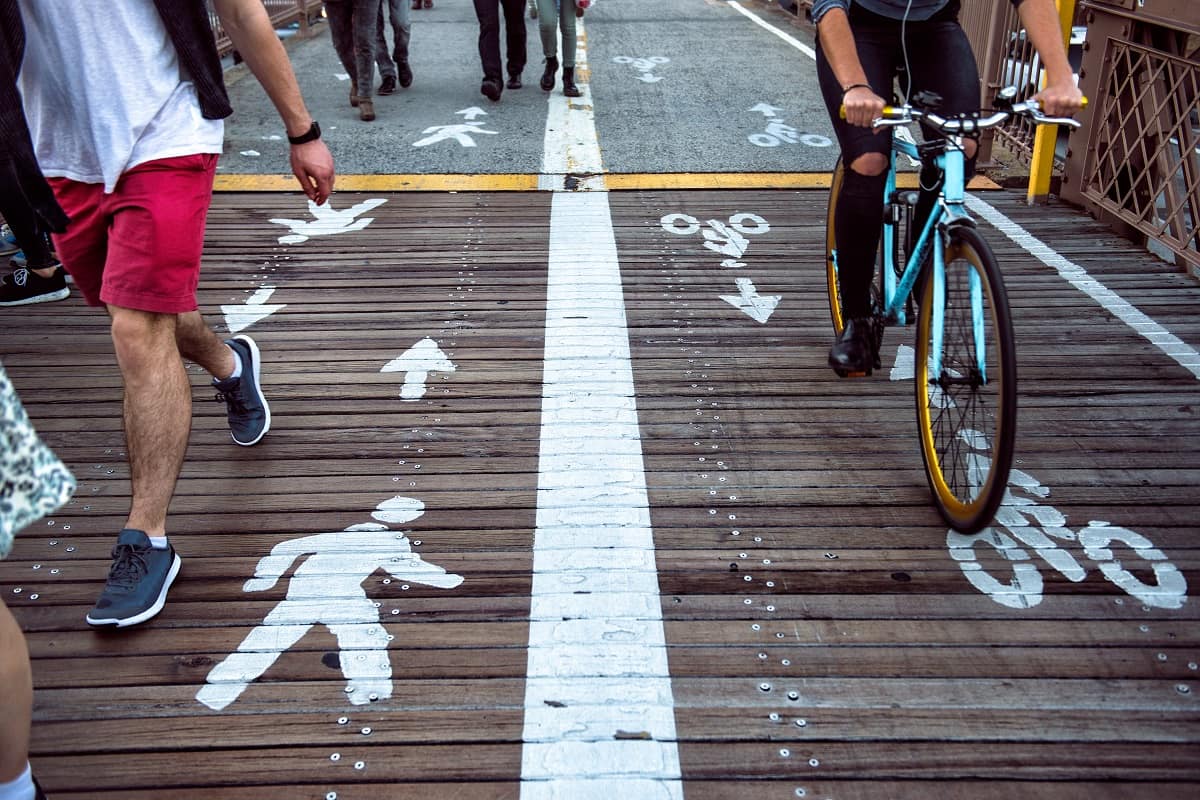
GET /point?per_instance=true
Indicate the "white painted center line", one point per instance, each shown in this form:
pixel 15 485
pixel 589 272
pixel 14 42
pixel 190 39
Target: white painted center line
pixel 1170 344
pixel 599 709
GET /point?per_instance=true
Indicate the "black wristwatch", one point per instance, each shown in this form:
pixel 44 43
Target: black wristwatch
pixel 312 134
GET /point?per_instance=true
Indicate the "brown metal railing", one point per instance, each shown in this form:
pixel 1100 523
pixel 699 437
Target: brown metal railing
pixel 1138 165
pixel 282 12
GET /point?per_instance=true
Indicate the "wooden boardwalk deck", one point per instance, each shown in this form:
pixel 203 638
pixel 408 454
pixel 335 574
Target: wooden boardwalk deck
pixel 825 637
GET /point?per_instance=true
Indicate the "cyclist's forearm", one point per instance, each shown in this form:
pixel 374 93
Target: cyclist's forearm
pixel 837 42
pixel 1041 22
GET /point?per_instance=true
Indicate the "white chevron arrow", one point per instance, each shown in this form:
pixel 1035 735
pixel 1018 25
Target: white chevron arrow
pixel 417 362
pixel 758 307
pixel 238 318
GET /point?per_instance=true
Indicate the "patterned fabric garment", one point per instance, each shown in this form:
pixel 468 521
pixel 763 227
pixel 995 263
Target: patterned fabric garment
pixel 33 482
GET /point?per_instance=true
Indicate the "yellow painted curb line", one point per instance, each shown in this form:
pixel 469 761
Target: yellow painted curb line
pixel 529 183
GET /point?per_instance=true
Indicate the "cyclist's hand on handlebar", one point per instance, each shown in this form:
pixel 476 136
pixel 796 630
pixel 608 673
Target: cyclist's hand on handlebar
pixel 862 106
pixel 1060 100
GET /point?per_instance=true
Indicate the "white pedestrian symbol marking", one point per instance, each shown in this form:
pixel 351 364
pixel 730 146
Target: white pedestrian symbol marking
pixel 644 66
pixel 327 221
pixel 238 318
pixel 417 362
pixel 460 133
pixel 326 589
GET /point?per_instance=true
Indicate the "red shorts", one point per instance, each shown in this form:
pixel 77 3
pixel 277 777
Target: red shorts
pixel 140 246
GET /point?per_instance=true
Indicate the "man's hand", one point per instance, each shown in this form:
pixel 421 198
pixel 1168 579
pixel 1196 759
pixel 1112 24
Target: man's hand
pixel 312 164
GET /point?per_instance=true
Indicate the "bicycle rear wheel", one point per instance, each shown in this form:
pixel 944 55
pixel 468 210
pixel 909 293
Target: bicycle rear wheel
pixel 967 411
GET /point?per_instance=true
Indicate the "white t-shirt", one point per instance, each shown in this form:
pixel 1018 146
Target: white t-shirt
pixel 104 91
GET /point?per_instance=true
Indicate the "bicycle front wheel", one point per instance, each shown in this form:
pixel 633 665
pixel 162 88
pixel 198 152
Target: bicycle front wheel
pixel 967 403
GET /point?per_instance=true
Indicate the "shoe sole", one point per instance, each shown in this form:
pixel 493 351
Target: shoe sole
pixel 60 294
pixel 149 613
pixel 256 365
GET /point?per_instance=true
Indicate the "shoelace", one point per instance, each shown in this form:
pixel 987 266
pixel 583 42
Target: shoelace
pixel 129 565
pixel 233 399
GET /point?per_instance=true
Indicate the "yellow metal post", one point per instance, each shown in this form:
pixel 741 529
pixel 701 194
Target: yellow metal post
pixel 1041 168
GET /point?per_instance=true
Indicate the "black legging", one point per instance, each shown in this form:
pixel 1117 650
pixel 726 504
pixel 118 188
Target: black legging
pixel 939 60
pixel 22 219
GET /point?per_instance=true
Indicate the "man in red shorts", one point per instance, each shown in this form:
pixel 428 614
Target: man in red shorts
pixel 125 110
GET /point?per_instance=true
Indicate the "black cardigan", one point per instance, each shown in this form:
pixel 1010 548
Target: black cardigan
pixel 187 24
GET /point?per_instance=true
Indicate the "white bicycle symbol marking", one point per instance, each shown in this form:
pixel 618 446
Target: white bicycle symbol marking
pixel 727 239
pixel 1026 524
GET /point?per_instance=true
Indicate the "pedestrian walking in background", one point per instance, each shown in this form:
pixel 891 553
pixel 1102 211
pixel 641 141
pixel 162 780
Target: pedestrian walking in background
pixel 395 67
pixel 130 147
pixel 354 28
pixel 488 13
pixel 554 15
pixel 39 278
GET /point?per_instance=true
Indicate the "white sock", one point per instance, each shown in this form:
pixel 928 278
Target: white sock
pixel 19 789
pixel 158 543
pixel 237 366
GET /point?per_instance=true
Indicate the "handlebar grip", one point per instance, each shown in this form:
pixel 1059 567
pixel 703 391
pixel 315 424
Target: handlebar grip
pixel 888 112
pixel 1083 103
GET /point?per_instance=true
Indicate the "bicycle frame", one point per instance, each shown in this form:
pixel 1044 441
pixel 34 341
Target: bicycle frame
pixel 950 209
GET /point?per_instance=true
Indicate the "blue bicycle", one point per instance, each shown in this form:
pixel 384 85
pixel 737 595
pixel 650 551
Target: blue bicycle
pixel 965 364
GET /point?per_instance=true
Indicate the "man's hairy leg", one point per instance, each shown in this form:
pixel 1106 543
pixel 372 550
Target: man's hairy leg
pixel 198 344
pixel 158 411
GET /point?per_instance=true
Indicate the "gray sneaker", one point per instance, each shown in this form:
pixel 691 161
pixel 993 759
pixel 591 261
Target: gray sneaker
pixel 249 414
pixel 138 581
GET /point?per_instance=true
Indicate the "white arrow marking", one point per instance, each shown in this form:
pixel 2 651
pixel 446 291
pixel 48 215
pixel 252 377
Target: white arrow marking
pixel 766 109
pixel 646 77
pixel 906 364
pixel 238 318
pixel 472 112
pixel 417 362
pixel 758 307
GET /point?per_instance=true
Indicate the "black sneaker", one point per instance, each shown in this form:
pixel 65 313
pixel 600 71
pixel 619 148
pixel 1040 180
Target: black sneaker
pixel 387 85
pixel 24 287
pixel 405 74
pixel 138 581
pixel 249 414
pixel 38 794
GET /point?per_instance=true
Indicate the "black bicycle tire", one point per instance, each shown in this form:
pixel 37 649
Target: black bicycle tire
pixel 975 513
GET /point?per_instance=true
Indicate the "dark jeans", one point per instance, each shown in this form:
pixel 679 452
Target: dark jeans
pixel 398 14
pixel 488 12
pixel 353 25
pixel 939 60
pixel 21 218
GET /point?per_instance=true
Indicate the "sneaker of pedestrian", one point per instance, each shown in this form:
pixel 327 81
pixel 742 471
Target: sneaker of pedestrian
pixel 249 414
pixel 405 74
pixel 138 581
pixel 491 88
pixel 8 242
pixel 387 85
pixel 25 287
pixel 366 109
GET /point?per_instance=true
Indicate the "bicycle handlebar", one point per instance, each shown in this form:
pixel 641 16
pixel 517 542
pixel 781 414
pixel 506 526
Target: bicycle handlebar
pixel 894 116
